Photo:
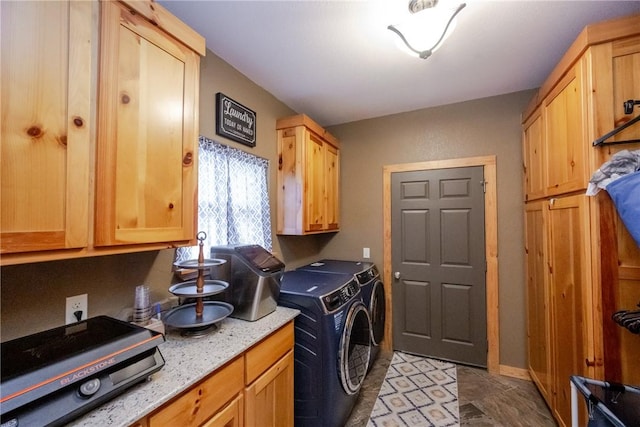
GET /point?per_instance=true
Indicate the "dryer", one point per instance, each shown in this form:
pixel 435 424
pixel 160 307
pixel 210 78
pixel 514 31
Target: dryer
pixel 332 345
pixel 372 288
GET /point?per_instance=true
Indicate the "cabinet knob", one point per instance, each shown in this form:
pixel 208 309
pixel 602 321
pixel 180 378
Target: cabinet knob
pixel 590 362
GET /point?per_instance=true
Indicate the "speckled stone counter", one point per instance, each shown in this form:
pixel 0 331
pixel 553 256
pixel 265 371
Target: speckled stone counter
pixel 187 361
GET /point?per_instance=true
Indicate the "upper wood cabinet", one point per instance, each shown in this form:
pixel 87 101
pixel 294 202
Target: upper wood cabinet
pixel 140 151
pixel 308 178
pixel 147 132
pixel 533 155
pixel 46 125
pixel 579 102
pixel 565 147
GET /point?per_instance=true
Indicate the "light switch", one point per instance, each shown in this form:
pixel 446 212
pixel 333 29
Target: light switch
pixel 365 253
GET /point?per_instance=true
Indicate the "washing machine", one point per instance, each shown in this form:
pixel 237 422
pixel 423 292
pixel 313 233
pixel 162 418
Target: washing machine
pixel 332 345
pixel 372 288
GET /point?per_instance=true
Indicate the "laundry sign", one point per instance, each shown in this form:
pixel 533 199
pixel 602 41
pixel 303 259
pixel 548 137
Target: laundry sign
pixel 235 121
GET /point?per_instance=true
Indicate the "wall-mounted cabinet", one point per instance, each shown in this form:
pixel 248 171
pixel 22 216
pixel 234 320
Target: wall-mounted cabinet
pixel 533 154
pixel 564 157
pixel 308 178
pixel 46 125
pixel 147 132
pixel 582 265
pixel 134 136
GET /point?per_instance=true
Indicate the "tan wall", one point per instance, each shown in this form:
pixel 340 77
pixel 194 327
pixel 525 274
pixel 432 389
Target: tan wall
pixel 33 295
pixel 489 126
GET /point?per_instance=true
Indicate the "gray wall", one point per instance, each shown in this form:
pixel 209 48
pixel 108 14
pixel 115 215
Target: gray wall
pixel 489 126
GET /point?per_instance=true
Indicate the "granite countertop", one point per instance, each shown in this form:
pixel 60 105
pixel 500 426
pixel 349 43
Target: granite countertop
pixel 187 361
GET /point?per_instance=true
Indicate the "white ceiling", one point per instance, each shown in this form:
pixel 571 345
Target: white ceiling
pixel 336 61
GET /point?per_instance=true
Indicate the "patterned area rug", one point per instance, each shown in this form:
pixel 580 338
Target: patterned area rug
pixel 417 392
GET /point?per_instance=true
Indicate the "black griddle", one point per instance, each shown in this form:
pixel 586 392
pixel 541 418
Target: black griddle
pixel 52 377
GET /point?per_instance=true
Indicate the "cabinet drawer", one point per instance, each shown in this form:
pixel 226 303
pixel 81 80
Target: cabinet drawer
pixel 231 416
pixel 268 351
pixel 203 400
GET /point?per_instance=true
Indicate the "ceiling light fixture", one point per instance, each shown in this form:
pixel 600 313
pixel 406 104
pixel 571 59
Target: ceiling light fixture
pixel 427 26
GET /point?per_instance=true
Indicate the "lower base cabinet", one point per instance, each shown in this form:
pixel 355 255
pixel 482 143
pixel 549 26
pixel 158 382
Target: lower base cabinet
pixel 255 390
pixel 269 399
pixel 560 326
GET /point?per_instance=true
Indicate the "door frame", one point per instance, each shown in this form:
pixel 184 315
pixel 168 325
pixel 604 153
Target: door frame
pixel 491 245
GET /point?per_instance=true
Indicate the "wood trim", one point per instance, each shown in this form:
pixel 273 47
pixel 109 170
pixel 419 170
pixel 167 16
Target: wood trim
pixel 163 19
pixel 608 276
pixel 309 123
pixel 513 372
pixel 81 46
pixel 56 255
pixel 491 246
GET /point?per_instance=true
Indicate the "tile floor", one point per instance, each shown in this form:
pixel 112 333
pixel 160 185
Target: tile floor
pixel 484 399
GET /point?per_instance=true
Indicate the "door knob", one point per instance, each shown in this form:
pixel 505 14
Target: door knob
pixel 396 274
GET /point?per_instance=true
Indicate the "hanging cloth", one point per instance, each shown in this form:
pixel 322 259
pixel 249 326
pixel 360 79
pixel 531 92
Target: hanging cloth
pixel 620 177
pixel 621 163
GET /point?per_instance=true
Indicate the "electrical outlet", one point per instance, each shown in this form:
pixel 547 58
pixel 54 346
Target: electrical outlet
pixel 366 253
pixel 76 304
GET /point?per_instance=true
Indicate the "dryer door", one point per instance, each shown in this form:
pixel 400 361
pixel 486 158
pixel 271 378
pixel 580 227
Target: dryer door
pixel 377 309
pixel 355 347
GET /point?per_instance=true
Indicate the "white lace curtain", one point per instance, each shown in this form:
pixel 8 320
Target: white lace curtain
pixel 233 198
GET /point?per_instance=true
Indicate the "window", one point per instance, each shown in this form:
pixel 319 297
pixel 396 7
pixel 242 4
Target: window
pixel 233 198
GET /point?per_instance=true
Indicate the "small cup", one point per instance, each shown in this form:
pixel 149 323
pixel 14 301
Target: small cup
pixel 142 297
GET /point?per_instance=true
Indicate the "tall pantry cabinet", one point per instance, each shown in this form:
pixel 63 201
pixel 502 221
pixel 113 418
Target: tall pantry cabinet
pixel 99 129
pixel 582 264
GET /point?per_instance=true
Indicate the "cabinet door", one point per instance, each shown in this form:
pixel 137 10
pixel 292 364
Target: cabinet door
pixel 147 133
pixel 314 196
pixel 565 142
pixel 534 185
pixel 269 399
pixel 538 314
pixel 332 187
pixel 45 125
pixel 569 272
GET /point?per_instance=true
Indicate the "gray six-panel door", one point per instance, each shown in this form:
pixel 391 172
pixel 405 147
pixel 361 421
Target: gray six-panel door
pixel 439 264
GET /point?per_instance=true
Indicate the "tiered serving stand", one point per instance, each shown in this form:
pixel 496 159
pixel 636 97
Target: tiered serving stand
pixel 198 318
